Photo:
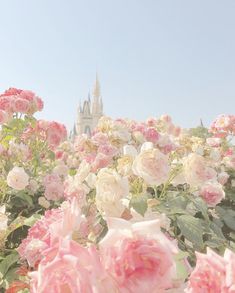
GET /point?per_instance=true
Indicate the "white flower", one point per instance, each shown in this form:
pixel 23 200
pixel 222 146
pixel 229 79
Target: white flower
pixel 152 165
pixel 17 178
pixel 3 219
pixel 111 188
pixel 43 202
pixel 146 146
pixel 90 180
pixel 83 171
pixel 129 150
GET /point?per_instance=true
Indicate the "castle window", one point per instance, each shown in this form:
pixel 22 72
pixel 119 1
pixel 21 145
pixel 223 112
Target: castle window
pixel 87 130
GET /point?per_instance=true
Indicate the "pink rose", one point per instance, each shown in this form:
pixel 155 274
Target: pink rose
pixel 212 193
pixel 56 133
pixel 108 150
pixel 38 239
pixel 6 103
pixel 196 171
pixel 138 256
pixel 74 269
pixel 151 134
pixel 213 273
pixel 229 256
pixel 21 105
pixel 54 191
pixel 4 116
pixel 47 231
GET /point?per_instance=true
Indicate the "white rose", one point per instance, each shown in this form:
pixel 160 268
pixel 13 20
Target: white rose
pixel 90 180
pixel 152 165
pixel 3 219
pixel 83 171
pixel 148 145
pixel 17 178
pixel 129 150
pixel 111 188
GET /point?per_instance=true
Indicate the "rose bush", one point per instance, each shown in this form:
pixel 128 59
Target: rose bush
pixel 135 206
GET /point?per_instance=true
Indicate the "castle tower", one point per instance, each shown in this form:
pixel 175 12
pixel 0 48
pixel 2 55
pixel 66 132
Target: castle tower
pixel 91 112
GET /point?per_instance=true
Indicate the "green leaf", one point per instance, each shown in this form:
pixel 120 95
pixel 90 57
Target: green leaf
pixel 26 198
pixel 178 201
pixel 7 263
pixel 217 230
pixel 229 221
pixel 202 207
pixel 72 172
pixel 139 204
pixel 31 220
pixel 192 229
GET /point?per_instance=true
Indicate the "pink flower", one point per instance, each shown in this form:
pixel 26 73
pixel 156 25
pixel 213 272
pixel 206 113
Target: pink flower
pixel 74 269
pixel 56 133
pixel 54 191
pixel 47 231
pixel 229 256
pixel 21 105
pixel 108 150
pixel 196 171
pixel 50 178
pixel 151 134
pixel 138 256
pixel 23 101
pixel 101 161
pixel 39 238
pixel 212 193
pixel 6 103
pixel 4 116
pixel 214 141
pixel 208 275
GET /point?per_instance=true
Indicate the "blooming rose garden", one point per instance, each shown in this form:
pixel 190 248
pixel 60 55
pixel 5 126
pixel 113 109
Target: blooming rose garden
pixel 138 206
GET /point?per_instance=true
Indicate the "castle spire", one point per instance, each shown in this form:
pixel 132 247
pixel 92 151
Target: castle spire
pixel 96 91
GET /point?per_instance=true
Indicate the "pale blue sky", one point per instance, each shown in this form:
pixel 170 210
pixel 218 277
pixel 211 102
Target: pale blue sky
pixel 152 56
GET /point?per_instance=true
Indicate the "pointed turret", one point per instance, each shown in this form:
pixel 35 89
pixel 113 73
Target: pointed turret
pixel 96 91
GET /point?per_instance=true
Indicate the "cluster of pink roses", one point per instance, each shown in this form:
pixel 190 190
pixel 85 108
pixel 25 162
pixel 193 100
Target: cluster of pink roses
pixel 224 125
pixel 52 132
pixel 18 101
pixel 130 258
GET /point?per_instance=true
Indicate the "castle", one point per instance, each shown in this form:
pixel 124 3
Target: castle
pixel 89 114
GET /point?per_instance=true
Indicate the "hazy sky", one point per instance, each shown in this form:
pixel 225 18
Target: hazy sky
pixel 153 57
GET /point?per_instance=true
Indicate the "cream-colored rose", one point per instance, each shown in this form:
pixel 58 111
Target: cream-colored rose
pixel 17 178
pixel 124 165
pixel 196 171
pixel 90 180
pixel 111 189
pixel 61 169
pixel 3 219
pixel 43 202
pixel 152 165
pixel 129 150
pixel 83 171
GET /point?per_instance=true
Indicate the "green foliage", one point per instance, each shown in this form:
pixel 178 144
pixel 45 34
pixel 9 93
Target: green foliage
pixel 139 203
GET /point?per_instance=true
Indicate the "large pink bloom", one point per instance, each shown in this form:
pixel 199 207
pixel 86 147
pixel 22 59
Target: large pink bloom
pixel 74 269
pixel 61 222
pixel 139 256
pixel 208 275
